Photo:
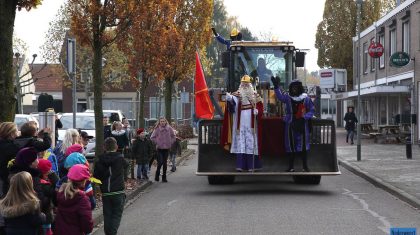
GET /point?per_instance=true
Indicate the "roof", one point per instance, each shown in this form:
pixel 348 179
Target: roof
pixel 375 90
pixel 261 44
pixel 49 77
pixel 386 17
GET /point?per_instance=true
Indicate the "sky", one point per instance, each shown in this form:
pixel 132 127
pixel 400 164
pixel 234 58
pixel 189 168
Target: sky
pixel 288 20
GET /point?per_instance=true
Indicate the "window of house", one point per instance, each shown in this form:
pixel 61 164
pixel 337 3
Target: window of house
pixel 382 58
pixel 372 60
pixel 365 57
pixel 357 61
pixel 392 41
pixel 406 36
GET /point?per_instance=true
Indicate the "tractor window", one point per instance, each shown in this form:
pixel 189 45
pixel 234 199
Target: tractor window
pixel 262 63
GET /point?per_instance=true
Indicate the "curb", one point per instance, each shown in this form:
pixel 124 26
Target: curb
pixel 399 193
pixel 98 216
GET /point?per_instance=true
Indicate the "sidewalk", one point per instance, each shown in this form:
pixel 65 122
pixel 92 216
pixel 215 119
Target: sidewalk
pixel 384 165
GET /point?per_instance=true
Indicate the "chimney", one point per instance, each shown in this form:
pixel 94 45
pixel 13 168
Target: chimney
pixel 398 2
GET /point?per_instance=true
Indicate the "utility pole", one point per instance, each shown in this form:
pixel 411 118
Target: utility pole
pixel 359 73
pixel 85 77
pixel 71 68
pixel 176 102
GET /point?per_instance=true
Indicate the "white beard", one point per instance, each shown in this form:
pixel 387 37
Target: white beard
pixel 247 94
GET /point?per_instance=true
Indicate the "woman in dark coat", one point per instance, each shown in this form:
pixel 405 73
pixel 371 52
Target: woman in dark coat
pixel 8 151
pixel 351 121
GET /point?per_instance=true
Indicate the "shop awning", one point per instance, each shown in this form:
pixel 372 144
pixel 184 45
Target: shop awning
pixel 371 91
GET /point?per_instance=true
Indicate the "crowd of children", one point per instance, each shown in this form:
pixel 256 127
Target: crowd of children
pixel 45 190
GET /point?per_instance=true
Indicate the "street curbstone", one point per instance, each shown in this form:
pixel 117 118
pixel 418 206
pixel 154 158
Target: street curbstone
pixel 399 193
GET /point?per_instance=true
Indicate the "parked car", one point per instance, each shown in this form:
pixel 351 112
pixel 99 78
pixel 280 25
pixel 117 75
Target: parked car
pixel 114 115
pixel 84 122
pixel 20 119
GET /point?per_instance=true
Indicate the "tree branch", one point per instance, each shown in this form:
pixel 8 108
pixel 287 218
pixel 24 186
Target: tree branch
pixel 24 84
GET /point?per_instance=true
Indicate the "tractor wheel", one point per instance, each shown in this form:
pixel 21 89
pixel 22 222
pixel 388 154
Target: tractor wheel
pixel 310 179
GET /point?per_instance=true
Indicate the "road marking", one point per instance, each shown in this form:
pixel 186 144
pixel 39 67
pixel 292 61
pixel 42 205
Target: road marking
pixel 171 202
pixel 386 224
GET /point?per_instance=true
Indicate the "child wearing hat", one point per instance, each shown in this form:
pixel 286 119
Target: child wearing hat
pixel 71 160
pixel 110 169
pixel 74 215
pixel 141 152
pixel 48 181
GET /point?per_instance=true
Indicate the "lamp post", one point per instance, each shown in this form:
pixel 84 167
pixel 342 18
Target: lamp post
pixel 17 79
pixel 359 72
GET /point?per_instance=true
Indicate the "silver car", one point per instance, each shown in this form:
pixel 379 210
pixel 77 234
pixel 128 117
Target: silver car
pixel 84 122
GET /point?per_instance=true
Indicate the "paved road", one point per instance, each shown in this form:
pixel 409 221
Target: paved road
pixel 344 204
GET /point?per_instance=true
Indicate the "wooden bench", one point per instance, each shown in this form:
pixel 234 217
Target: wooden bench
pixel 375 135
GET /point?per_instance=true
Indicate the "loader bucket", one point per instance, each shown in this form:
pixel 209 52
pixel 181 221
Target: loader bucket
pixel 213 160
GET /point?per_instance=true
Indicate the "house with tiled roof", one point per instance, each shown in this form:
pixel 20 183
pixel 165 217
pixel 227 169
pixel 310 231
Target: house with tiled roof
pixel 49 79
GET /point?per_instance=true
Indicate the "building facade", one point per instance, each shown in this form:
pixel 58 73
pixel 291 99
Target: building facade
pixel 389 94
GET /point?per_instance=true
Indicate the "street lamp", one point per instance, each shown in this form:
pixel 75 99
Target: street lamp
pixel 359 72
pixel 18 91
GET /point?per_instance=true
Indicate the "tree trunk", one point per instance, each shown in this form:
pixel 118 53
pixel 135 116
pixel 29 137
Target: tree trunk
pixel 168 99
pixel 142 98
pixel 97 86
pixel 7 88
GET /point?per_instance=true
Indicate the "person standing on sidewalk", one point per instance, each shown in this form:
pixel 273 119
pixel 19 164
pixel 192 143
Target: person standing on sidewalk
pixel 110 169
pixel 175 148
pixel 141 152
pixel 350 126
pixel 163 136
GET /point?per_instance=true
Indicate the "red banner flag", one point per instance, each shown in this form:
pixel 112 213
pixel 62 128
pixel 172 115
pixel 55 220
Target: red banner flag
pixel 203 106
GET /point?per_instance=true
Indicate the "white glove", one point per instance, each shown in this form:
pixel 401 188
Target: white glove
pixel 255 111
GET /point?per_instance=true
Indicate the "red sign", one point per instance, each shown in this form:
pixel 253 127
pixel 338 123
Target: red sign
pixel 375 50
pixel 326 74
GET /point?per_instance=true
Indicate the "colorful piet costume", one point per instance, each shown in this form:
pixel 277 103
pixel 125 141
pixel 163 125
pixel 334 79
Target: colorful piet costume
pixel 240 135
pixel 299 110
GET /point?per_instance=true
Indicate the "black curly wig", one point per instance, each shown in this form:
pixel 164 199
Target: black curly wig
pixel 298 84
